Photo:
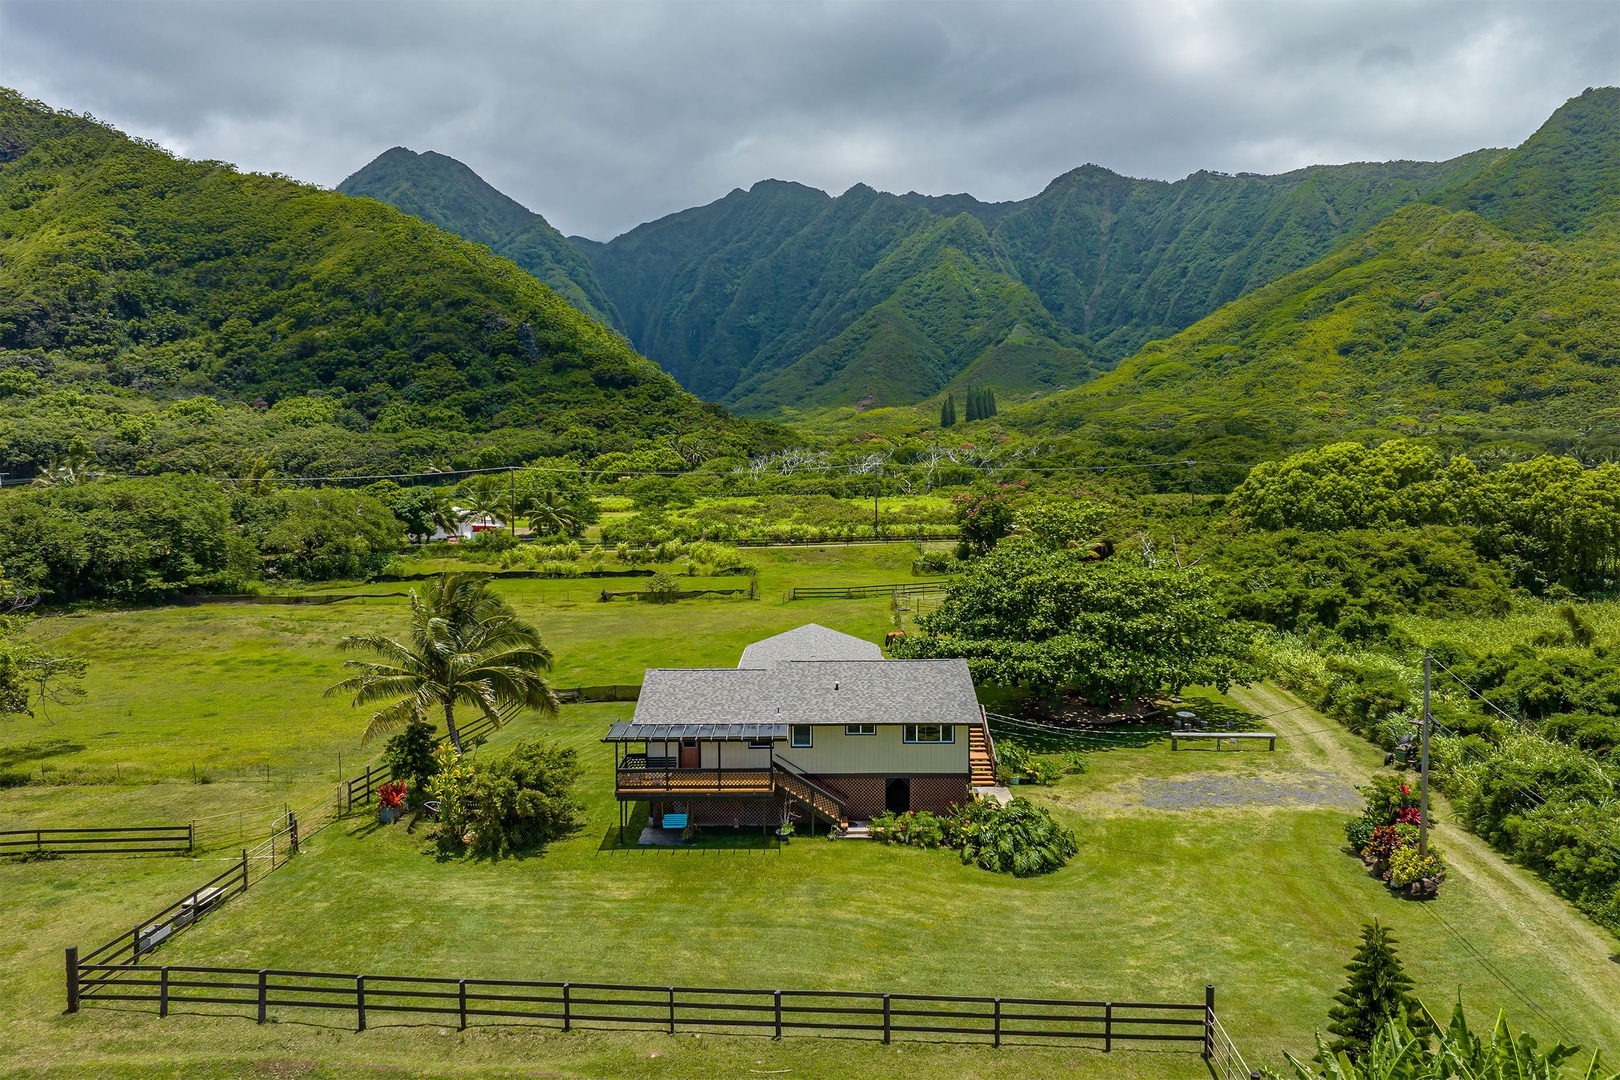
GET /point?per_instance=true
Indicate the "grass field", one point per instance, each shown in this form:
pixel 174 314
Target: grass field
pixel 1194 867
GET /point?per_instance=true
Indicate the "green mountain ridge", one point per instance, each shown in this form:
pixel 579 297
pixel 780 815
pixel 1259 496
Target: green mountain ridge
pixel 447 193
pixel 769 298
pixel 1443 320
pixel 336 333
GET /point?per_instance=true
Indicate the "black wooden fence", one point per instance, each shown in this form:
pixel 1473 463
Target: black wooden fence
pixel 131 840
pixel 861 592
pixel 994 1019
pixel 574 695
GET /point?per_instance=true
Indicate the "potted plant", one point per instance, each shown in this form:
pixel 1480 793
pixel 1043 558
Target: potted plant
pixel 391 801
pixel 785 831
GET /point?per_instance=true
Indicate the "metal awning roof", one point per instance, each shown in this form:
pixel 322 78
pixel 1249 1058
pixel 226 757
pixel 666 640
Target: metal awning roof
pixel 630 731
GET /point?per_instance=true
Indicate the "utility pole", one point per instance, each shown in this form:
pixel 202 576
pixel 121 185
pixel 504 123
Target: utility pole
pixel 1423 770
pixel 877 473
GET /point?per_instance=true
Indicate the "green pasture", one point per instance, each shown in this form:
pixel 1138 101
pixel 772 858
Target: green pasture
pixel 1194 867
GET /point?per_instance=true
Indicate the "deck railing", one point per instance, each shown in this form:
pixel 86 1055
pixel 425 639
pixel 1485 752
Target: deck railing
pixel 643 780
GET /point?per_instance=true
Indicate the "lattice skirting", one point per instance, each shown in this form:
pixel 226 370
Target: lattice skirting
pixel 866 796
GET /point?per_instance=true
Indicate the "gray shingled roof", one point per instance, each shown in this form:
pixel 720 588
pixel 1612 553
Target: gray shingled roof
pixel 811 641
pixel 812 692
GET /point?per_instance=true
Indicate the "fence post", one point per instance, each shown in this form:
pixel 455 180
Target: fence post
pixel 672 1010
pixel 1108 1026
pixel 264 993
pixel 73 979
pixel 1209 1019
pixel 777 998
pixel 135 945
pixel 568 1012
pixel 191 837
pixel 360 1002
pixel 461 993
pixel 886 1024
pixel 163 992
pixel 292 830
pixel 998 1023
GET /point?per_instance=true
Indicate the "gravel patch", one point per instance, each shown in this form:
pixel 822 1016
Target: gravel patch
pixel 1204 791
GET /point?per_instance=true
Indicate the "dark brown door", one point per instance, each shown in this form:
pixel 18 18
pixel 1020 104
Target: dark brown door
pixel 691 756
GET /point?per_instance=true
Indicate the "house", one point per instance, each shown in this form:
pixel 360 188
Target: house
pixel 469 523
pixel 811 726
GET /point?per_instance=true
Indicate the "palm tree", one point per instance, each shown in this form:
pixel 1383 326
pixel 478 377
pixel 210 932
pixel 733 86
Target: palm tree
pixel 67 471
pixel 486 494
pixel 547 511
pixel 467 647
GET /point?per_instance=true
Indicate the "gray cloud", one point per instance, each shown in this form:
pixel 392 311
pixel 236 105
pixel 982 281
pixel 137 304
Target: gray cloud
pixel 603 115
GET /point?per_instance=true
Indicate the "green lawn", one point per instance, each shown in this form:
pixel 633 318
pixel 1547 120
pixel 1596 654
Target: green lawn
pixel 1194 867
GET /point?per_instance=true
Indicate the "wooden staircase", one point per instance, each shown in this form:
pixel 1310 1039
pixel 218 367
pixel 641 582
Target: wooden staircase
pixel 812 796
pixel 981 757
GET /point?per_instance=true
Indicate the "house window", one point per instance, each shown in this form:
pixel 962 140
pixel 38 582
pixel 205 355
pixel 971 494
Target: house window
pixel 759 744
pixel 929 733
pixel 799 735
pixel 860 729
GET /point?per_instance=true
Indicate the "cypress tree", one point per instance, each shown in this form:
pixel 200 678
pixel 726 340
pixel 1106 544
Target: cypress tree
pixel 989 401
pixel 1378 992
pixel 947 411
pixel 972 404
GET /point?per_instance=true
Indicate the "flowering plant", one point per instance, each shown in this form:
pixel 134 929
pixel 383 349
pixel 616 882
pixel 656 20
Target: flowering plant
pixel 391 795
pixel 1409 815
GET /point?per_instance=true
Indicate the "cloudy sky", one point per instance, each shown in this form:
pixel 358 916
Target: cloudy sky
pixel 603 115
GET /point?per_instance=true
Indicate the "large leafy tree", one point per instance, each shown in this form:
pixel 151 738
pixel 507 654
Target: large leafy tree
pixel 467 646
pixel 1115 628
pixel 29 674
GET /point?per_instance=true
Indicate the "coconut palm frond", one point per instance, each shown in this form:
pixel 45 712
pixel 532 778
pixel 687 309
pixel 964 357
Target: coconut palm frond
pixel 397 715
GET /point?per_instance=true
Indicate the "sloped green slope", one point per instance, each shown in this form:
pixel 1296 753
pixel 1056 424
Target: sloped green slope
pixel 443 191
pixel 948 300
pixel 1564 176
pixel 1434 322
pixel 128 273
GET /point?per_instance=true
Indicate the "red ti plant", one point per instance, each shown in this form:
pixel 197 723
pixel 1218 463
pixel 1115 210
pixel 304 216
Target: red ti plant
pixel 1386 840
pixel 1409 815
pixel 391 795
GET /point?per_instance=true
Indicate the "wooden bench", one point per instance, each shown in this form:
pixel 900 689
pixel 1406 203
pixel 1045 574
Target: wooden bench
pixel 1269 736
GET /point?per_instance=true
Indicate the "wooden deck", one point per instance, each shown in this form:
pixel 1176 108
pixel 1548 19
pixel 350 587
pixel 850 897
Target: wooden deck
pixel 645 783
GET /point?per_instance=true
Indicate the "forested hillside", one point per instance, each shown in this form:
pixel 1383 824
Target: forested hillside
pixel 781 296
pixel 1436 322
pixel 160 313
pixel 444 191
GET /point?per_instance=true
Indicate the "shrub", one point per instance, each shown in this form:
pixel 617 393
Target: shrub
pixel 1043 770
pixel 409 755
pixel 1384 842
pixel 1357 834
pixel 919 828
pixel 1019 839
pixel 1407 866
pixel 662 589
pixel 498 806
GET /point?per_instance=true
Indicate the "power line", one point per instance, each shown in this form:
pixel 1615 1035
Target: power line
pixel 825 470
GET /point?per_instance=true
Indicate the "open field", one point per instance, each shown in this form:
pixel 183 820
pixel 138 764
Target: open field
pixel 1194 867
